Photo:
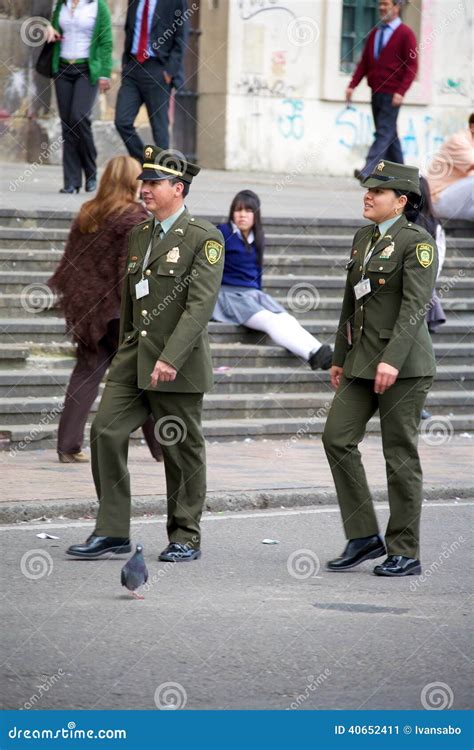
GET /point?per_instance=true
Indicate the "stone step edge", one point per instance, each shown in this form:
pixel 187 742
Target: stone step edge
pixel 218 428
pixel 217 501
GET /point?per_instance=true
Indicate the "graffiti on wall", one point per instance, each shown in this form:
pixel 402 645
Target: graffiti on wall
pixel 355 131
pixel 291 121
pixel 452 86
pixel 256 85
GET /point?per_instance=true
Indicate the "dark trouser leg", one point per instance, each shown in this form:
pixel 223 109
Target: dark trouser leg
pixel 386 144
pixel 354 404
pixel 80 395
pixel 122 410
pixel 400 409
pixel 64 85
pixel 129 101
pixel 156 94
pixel 80 121
pixel 178 417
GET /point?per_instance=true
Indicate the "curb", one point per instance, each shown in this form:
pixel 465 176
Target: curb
pixel 17 512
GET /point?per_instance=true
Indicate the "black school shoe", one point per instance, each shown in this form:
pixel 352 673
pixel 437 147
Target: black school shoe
pixel 357 551
pixel 96 546
pixel 176 552
pixel 396 566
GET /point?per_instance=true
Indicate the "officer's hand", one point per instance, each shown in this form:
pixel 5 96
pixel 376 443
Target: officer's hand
pixel 335 374
pixel 349 93
pixel 167 78
pixel 397 100
pixel 163 373
pixel 385 377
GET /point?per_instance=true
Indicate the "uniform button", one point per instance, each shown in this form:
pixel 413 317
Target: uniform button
pixel 171 270
pixel 192 219
pixel 144 312
pixel 147 272
pixel 380 268
pixel 360 268
pixel 143 333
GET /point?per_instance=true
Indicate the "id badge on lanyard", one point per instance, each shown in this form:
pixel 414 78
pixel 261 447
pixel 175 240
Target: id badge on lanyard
pixel 142 288
pixel 363 286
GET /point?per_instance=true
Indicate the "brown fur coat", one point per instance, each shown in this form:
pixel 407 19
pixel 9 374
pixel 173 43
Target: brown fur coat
pixel 89 278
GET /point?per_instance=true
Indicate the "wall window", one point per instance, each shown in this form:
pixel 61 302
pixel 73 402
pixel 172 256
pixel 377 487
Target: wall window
pixel 358 17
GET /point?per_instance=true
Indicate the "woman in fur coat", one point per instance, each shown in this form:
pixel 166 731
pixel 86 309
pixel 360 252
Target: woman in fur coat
pixel 88 282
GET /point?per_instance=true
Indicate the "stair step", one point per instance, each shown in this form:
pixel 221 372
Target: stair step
pixel 49 377
pixel 27 436
pixel 46 410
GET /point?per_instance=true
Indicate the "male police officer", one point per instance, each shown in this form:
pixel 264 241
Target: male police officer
pixel 383 359
pixel 163 364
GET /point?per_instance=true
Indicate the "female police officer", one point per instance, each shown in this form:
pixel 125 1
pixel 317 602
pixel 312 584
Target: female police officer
pixel 383 360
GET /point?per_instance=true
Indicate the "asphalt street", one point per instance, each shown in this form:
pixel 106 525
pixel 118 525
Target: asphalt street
pixel 248 626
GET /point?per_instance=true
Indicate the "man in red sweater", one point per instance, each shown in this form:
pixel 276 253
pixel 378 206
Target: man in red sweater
pixel 389 61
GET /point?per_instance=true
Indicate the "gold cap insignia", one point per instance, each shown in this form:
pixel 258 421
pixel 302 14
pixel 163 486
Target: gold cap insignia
pixel 148 152
pixel 381 166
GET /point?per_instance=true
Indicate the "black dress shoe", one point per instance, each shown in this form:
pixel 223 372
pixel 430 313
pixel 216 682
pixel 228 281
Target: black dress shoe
pixel 96 546
pixel 91 184
pixel 321 359
pixel 70 189
pixel 396 566
pixel 356 551
pixel 176 552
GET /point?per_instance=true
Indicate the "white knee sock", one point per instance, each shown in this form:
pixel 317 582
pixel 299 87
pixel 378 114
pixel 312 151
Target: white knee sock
pixel 285 331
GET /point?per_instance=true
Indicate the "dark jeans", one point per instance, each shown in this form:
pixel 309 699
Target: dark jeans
pixel 386 144
pixel 75 95
pixel 143 83
pixel 82 391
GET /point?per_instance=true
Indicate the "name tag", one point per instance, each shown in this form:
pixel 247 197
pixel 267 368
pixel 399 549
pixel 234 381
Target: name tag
pixel 362 288
pixel 141 289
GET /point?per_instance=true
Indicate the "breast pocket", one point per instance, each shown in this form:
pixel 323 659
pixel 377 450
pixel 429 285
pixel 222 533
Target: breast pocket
pixel 385 275
pixel 172 271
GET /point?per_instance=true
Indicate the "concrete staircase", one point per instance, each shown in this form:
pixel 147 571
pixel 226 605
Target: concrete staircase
pixel 261 390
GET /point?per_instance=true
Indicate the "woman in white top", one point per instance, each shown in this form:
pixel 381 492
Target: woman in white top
pixel 82 65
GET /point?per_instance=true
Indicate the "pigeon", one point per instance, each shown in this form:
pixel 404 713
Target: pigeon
pixel 134 573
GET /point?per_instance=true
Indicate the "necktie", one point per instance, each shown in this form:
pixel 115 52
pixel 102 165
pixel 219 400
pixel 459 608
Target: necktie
pixel 383 26
pixel 375 235
pixel 142 53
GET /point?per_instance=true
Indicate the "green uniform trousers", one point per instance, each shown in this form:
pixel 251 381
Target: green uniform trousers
pixel 122 410
pixel 399 408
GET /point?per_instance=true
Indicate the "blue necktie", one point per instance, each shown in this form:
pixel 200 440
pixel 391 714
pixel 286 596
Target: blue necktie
pixel 383 26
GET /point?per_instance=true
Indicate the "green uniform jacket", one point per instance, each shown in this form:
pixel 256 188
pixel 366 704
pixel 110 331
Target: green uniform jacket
pixel 184 274
pixel 100 52
pixel 389 324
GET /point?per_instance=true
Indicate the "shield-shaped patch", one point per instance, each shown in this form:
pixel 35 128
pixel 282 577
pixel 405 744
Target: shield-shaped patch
pixel 425 254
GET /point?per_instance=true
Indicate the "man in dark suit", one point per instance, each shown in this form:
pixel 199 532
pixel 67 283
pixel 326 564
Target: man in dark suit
pixel 389 61
pixel 152 64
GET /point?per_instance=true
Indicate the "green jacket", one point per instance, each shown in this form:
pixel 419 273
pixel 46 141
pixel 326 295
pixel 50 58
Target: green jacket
pixel 100 52
pixel 389 324
pixel 184 274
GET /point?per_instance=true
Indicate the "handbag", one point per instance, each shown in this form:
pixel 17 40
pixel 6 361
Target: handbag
pixel 44 63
